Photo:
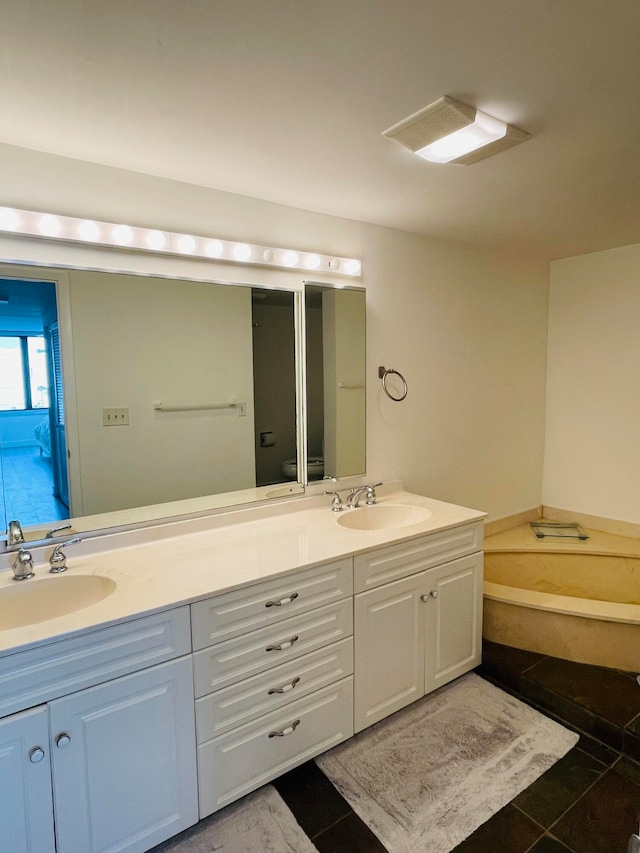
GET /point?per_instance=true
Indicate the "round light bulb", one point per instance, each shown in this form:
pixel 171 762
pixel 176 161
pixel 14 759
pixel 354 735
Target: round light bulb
pixel 268 255
pixel 88 231
pixel 155 240
pixel 9 219
pixel 122 235
pixel 186 244
pixel 290 259
pixel 214 248
pixel 334 264
pixel 312 262
pixel 352 267
pixel 242 252
pixel 49 225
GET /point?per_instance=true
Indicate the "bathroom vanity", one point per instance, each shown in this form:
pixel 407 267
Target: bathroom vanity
pixel 229 650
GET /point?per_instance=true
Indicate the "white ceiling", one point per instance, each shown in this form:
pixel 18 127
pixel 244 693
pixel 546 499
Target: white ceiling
pixel 286 100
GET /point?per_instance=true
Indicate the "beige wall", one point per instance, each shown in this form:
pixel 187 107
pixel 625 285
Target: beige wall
pixel 592 456
pixel 466 326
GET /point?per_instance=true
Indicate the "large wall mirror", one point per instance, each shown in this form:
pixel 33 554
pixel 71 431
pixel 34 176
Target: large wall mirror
pixel 126 398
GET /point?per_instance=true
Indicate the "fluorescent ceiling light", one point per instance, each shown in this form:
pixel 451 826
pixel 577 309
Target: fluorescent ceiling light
pixel 449 131
pixel 485 129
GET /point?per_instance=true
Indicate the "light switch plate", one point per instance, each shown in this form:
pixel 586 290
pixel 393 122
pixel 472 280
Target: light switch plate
pixel 115 417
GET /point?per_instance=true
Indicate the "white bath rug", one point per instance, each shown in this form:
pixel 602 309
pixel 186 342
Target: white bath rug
pixel 258 823
pixel 425 778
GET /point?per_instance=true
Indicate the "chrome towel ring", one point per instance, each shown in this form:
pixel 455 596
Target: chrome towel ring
pixel 383 372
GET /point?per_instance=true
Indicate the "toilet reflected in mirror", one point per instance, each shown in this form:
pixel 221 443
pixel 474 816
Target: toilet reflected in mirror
pixel 315 469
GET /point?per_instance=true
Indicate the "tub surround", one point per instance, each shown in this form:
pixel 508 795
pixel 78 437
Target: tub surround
pixel 572 599
pixel 181 562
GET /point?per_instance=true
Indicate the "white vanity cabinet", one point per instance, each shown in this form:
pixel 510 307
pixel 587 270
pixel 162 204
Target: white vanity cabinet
pixel 26 813
pixel 107 767
pixel 417 619
pixel 273 668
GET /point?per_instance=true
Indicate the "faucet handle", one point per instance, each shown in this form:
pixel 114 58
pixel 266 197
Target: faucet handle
pixel 336 503
pixel 371 494
pixel 23 565
pixel 58 559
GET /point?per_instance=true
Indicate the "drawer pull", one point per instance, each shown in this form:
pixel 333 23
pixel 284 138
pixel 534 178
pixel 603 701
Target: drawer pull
pixel 281 646
pixel 282 601
pixel 285 687
pixel 287 731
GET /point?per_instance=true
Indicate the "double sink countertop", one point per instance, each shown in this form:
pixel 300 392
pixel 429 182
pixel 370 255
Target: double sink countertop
pixel 179 562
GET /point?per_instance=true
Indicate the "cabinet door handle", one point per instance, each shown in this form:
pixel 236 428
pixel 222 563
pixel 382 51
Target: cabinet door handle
pixel 285 687
pixel 63 740
pixel 427 595
pixel 286 731
pixel 282 601
pixel 281 646
pixel 36 754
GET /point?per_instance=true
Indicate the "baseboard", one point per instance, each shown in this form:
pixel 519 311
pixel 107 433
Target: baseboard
pixel 594 522
pixel 515 520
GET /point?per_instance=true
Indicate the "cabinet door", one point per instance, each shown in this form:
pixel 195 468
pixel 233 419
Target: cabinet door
pixel 389 649
pixel 26 806
pixel 453 606
pixel 124 766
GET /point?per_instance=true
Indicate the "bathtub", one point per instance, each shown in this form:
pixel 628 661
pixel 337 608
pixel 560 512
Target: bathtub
pixel 570 599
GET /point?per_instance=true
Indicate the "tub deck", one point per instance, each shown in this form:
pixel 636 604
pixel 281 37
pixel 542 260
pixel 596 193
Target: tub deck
pixel 575 599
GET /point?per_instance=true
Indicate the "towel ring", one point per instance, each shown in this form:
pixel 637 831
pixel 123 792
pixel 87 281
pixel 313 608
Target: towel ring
pixel 383 372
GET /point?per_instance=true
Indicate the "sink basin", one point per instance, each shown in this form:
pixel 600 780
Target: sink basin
pixel 382 516
pixel 30 601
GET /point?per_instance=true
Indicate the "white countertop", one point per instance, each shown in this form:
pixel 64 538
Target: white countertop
pixel 182 561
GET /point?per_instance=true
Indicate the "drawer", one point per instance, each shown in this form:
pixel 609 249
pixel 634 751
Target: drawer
pixel 57 669
pixel 246 758
pixel 397 561
pixel 247 609
pixel 258 651
pixel 233 706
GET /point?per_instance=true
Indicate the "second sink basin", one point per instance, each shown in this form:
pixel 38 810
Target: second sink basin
pixel 30 601
pixel 382 516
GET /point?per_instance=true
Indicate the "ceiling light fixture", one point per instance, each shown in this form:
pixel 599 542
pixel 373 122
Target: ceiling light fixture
pixel 448 131
pixel 28 223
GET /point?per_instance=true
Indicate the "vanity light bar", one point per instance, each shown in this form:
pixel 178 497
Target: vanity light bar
pixel 28 223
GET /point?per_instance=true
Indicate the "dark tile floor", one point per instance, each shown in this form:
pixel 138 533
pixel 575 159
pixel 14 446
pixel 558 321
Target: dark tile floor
pixel 589 802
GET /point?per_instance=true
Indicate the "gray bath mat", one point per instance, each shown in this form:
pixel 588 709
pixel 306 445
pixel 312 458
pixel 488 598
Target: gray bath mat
pixel 258 823
pixel 429 775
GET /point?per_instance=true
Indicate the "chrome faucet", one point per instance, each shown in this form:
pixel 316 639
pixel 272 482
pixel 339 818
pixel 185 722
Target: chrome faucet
pixel 58 559
pixel 15 535
pixel 355 494
pixel 23 565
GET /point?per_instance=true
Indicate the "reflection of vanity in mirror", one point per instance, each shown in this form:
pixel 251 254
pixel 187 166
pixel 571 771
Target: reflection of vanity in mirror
pixel 169 397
